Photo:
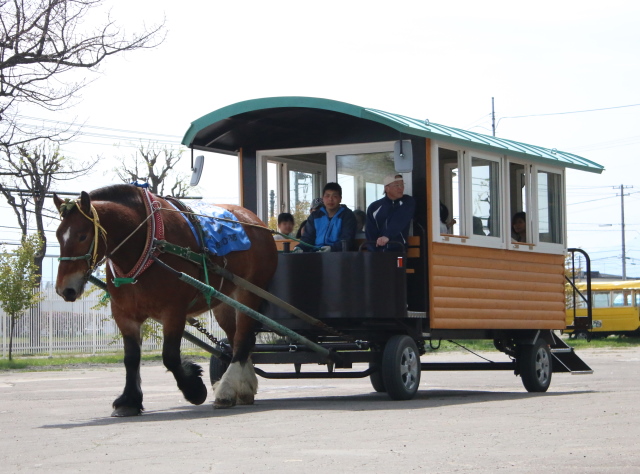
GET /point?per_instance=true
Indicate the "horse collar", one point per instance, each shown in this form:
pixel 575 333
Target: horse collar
pixel 155 231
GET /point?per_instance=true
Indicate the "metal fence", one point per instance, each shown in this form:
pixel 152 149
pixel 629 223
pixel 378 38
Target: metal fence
pixel 54 327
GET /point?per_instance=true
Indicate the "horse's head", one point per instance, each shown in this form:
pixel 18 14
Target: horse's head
pixel 78 237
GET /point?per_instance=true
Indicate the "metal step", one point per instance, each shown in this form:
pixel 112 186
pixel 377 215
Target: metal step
pixel 566 360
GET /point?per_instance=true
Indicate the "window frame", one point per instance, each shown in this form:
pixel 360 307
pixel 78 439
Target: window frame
pixel 330 173
pixel 549 247
pixel 466 236
pixel 477 239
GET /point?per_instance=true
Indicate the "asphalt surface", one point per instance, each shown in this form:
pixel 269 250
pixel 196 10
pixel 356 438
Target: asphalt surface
pixel 59 421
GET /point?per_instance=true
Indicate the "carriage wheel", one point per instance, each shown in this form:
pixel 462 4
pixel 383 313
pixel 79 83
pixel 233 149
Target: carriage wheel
pixel 401 367
pixel 377 381
pixel 536 366
pixel 217 368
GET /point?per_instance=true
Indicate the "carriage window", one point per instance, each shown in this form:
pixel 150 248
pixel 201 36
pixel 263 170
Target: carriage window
pixel 361 176
pixel 518 198
pixel 450 180
pixel 549 207
pixel 301 192
pixel 485 197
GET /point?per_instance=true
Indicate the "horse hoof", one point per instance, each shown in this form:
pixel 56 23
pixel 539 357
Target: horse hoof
pixel 246 399
pixel 200 400
pixel 126 411
pixel 222 403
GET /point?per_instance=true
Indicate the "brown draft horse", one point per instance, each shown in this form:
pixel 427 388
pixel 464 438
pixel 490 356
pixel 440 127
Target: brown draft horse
pixel 158 294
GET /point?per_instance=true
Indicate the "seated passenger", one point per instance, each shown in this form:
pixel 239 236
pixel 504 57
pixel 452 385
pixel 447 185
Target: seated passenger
pixel 446 224
pixel 285 227
pixel 329 225
pixel 519 227
pixel 388 218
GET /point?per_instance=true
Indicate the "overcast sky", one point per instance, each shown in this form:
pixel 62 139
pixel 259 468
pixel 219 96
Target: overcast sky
pixel 442 61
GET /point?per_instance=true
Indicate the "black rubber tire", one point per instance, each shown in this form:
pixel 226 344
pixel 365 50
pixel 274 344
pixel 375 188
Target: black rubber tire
pixel 376 379
pixel 536 366
pixel 583 335
pixel 401 367
pixel 217 368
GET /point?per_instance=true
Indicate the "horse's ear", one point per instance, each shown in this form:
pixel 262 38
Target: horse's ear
pixel 57 201
pixel 85 203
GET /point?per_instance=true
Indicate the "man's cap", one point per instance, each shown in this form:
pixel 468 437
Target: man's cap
pixel 317 202
pixel 391 179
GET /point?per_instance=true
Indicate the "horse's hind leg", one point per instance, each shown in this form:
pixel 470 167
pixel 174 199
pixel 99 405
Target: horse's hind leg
pixel 187 374
pixel 239 383
pixel 130 402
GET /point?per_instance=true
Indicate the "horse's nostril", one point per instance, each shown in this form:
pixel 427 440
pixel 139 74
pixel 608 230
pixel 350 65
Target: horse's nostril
pixel 69 294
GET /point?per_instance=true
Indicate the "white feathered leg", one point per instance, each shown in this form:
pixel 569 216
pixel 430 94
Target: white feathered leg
pixel 239 384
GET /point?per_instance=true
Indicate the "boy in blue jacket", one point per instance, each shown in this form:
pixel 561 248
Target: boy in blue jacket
pixel 388 218
pixel 332 223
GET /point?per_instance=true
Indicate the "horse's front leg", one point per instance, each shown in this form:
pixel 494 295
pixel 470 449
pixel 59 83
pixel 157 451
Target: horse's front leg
pixel 187 374
pixel 130 402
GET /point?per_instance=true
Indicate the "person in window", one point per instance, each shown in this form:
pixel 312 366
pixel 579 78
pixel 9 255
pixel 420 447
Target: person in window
pixel 388 218
pixel 329 225
pixel 315 205
pixel 285 226
pixel 446 224
pixel 519 227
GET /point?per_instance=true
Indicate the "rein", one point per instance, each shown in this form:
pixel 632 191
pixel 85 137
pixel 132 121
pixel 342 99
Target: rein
pixel 98 231
pixel 155 232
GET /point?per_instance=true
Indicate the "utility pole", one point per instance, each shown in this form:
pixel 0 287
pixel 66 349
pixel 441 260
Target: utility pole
pixel 624 249
pixel 493 118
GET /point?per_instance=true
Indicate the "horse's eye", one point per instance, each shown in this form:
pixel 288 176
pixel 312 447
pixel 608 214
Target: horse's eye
pixel 82 238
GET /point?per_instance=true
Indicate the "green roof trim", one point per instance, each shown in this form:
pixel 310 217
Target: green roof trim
pixel 407 125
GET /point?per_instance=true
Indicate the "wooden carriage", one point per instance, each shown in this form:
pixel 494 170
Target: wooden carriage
pixel 468 279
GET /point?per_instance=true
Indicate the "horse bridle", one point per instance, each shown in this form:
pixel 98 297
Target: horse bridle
pixel 91 257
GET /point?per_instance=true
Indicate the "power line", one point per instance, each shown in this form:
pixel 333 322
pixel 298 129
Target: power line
pixel 98 127
pixel 572 112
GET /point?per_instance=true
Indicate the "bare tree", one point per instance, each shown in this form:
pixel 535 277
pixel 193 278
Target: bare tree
pixel 40 41
pixel 155 164
pixel 28 177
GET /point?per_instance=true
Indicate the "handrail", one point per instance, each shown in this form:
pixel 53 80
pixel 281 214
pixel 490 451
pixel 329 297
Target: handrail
pixel 581 322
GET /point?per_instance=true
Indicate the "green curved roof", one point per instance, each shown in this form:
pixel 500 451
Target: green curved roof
pixel 400 123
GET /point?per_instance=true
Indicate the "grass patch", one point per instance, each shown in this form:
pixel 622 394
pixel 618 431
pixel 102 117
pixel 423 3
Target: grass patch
pixel 67 361
pixel 611 342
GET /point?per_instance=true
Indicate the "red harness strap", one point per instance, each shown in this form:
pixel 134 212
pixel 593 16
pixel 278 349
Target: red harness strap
pixel 155 230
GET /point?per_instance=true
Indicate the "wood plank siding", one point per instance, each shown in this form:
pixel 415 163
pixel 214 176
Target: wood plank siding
pixel 484 288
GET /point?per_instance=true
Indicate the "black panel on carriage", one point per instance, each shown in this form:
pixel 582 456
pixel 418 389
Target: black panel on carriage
pixel 339 285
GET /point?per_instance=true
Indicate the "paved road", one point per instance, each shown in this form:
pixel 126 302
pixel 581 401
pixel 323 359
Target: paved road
pixel 459 422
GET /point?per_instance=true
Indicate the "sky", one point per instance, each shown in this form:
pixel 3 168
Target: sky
pixel 543 62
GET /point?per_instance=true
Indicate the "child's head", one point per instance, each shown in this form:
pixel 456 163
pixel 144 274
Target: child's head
pixel 285 223
pixel 519 223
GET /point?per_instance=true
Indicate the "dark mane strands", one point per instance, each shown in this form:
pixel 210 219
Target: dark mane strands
pixel 125 194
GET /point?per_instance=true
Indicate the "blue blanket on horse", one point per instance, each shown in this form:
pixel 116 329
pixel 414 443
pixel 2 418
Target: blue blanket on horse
pixel 220 236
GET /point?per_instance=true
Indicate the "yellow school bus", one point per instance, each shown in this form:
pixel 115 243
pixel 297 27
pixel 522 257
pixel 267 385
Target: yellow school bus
pixel 614 309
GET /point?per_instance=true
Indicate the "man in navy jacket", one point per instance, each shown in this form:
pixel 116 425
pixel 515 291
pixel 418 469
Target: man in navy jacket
pixel 332 223
pixel 388 218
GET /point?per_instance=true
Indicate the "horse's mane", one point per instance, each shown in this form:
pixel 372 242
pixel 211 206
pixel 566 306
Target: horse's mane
pixel 125 194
